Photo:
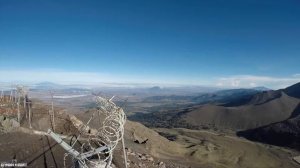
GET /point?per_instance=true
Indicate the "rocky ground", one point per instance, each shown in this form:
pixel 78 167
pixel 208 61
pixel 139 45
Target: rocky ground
pixel 177 148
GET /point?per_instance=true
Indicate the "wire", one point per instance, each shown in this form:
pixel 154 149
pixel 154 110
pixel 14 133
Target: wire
pixel 108 134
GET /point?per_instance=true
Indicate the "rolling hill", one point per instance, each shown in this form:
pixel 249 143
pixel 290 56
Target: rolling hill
pixel 283 133
pixel 230 109
pixel 260 109
pixel 257 112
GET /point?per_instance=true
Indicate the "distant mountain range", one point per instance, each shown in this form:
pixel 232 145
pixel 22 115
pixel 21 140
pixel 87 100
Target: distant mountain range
pixel 261 88
pixel 247 111
pixel 218 97
pixel 282 133
pixel 162 91
pixel 47 86
pixel 235 109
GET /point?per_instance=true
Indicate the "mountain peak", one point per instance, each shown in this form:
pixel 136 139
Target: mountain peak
pixel 293 90
pixel 261 88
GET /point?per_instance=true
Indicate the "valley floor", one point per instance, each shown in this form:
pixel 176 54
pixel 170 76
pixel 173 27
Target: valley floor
pixel 211 149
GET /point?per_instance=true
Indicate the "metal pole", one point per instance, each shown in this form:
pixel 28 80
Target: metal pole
pixel 24 104
pixel 52 108
pixel 124 152
pixel 63 144
pixel 16 96
pixel 109 161
pixel 18 105
pixel 1 94
pixel 29 113
pixel 13 96
pixel 10 97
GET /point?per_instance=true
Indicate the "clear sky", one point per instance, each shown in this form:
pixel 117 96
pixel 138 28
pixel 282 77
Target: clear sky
pixel 225 43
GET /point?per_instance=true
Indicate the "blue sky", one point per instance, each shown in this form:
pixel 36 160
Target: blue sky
pixel 224 43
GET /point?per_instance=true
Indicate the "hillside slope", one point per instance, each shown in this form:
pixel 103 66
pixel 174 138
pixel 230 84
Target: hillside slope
pixel 284 133
pixel 293 91
pixel 256 99
pixel 197 149
pixel 261 111
pixel 249 110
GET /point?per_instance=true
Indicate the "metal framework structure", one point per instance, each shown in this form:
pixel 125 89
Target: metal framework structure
pixel 22 92
pixel 100 141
